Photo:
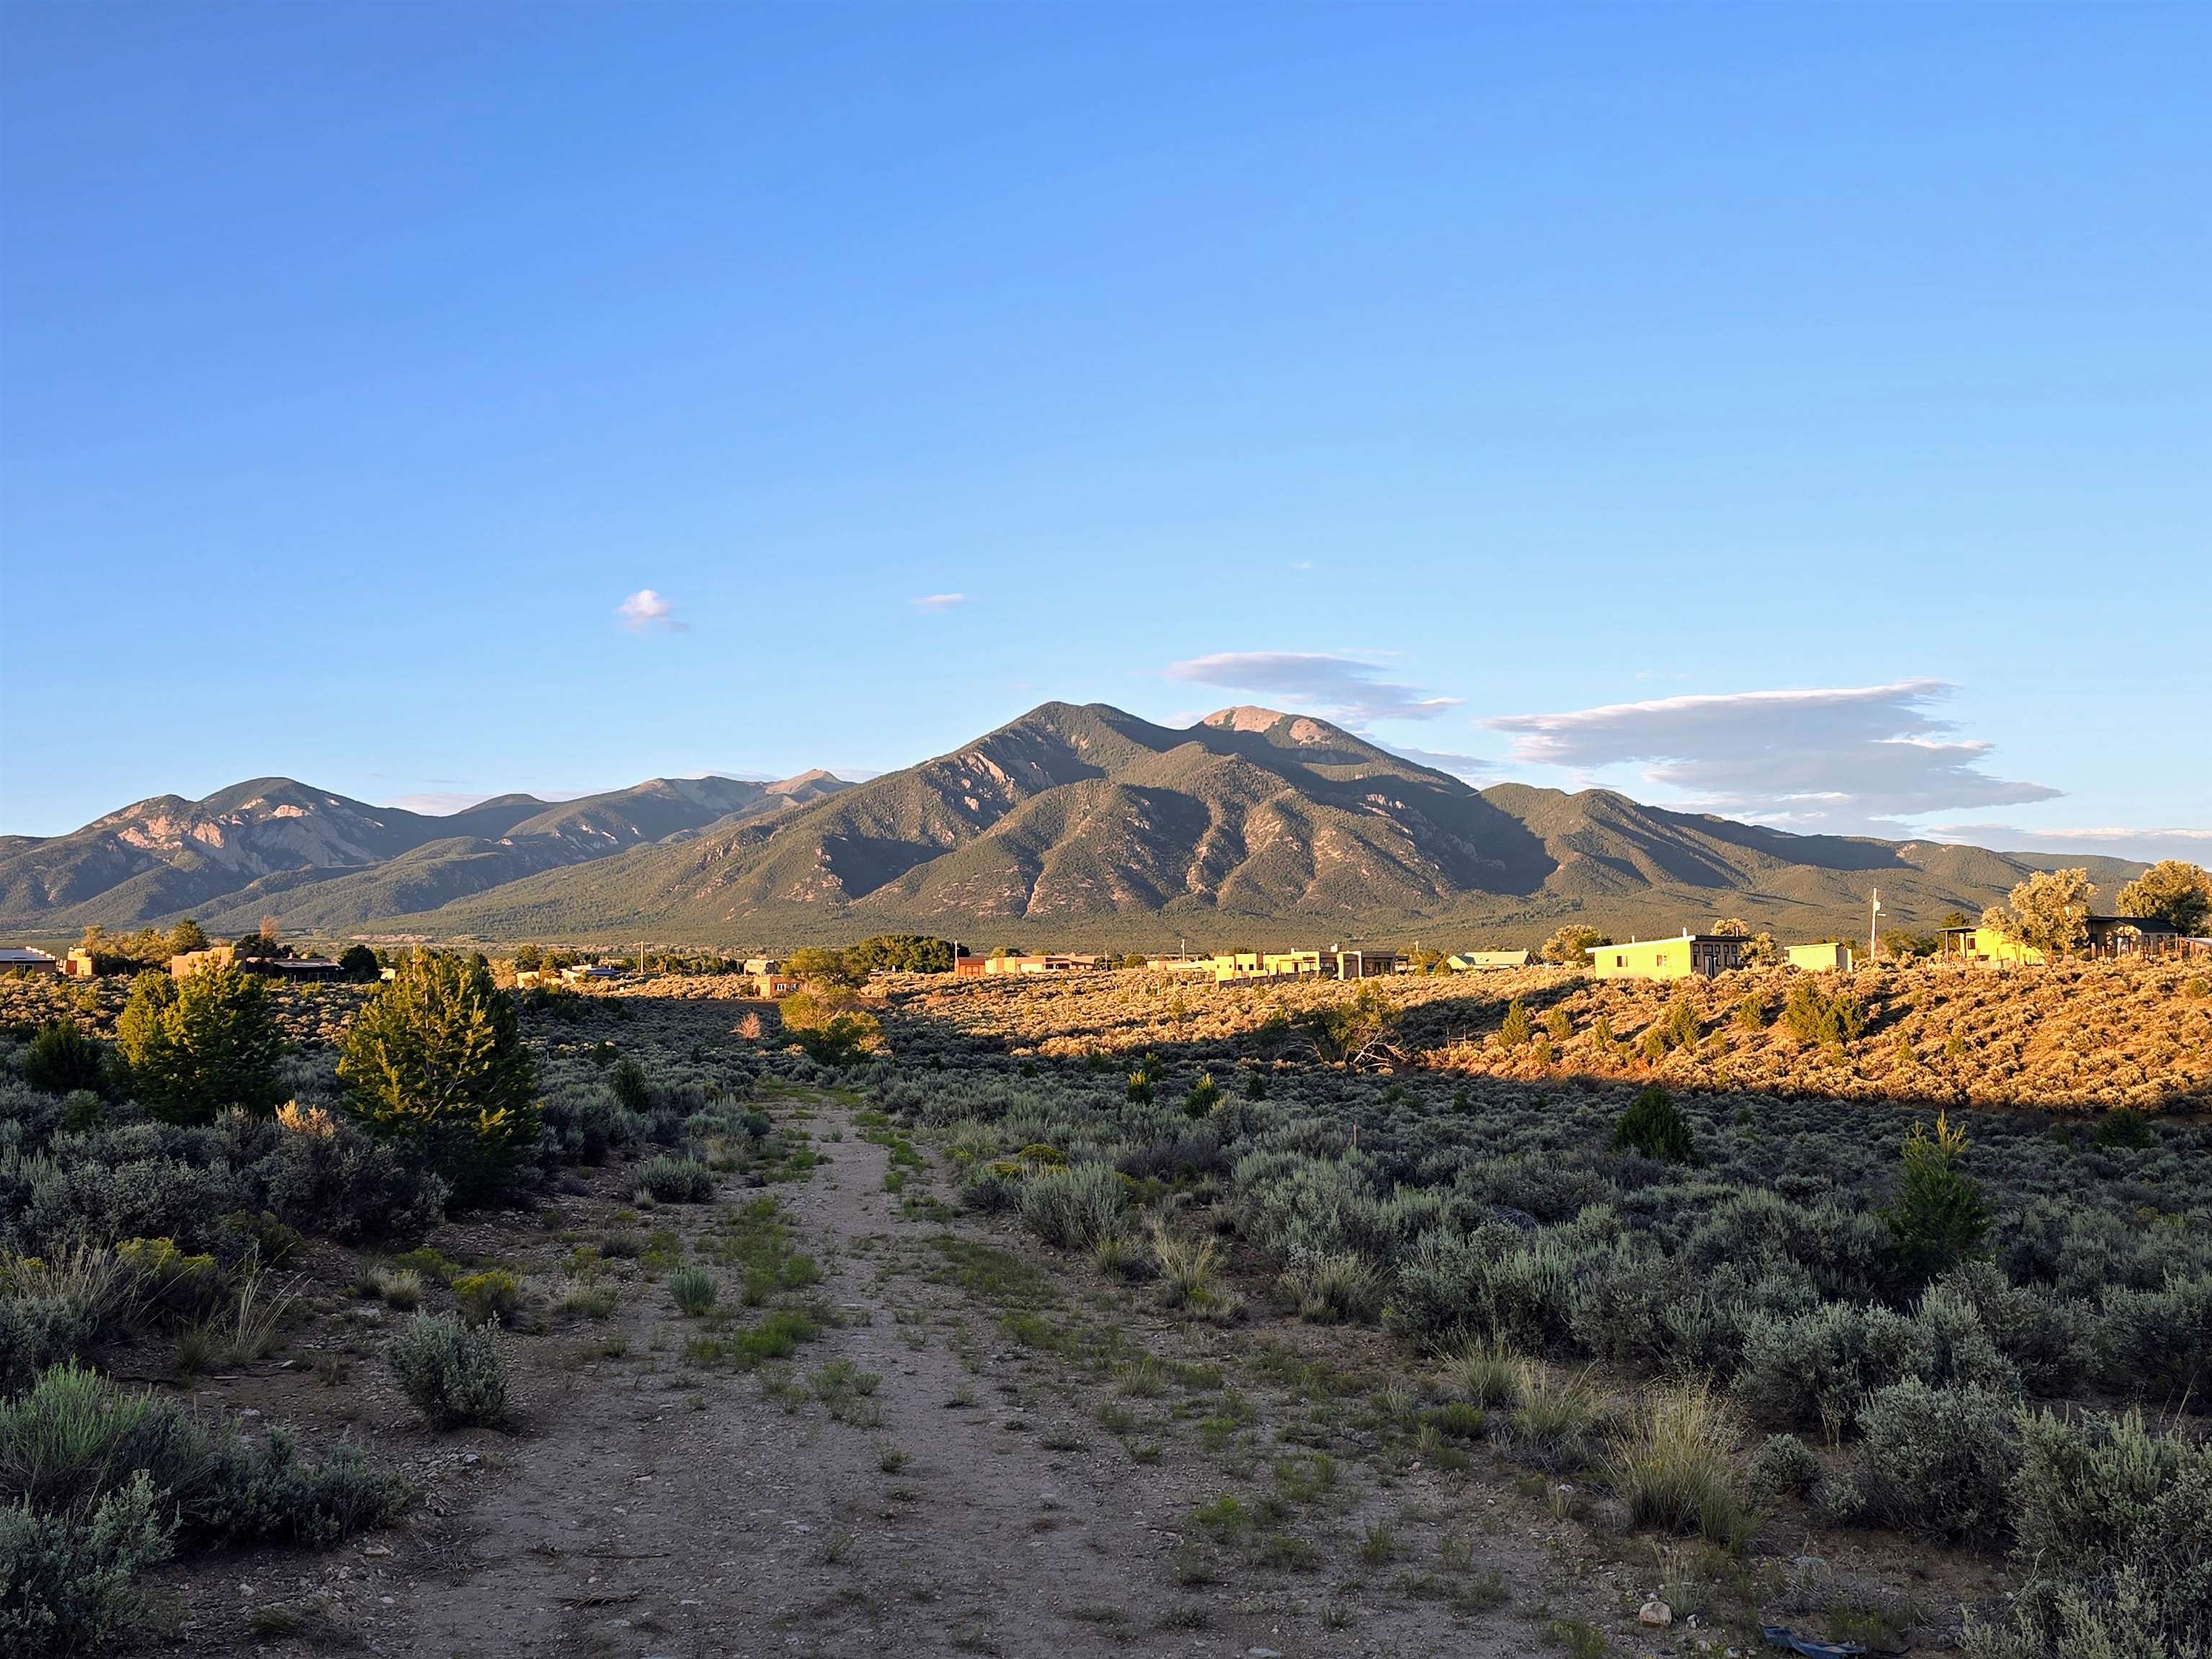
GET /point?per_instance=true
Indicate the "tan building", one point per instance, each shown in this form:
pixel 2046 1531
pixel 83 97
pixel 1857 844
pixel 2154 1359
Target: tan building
pixel 1700 956
pixel 79 964
pixel 1829 958
pixel 27 959
pixel 1475 962
pixel 187 963
pixel 969 967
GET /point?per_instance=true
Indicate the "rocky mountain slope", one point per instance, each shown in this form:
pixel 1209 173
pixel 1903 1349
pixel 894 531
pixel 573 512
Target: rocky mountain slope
pixel 1085 823
pixel 315 859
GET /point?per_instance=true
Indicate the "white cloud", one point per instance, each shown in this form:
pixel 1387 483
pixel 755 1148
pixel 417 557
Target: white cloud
pixel 1854 758
pixel 437 802
pixel 1341 688
pixel 2148 845
pixel 645 610
pixel 931 604
pixel 1469 768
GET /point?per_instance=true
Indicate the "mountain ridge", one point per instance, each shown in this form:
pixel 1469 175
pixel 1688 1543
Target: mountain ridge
pixel 1070 821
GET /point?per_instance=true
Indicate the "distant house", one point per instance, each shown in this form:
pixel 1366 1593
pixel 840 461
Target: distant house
pixel 525 979
pixel 2112 937
pixel 970 967
pixel 590 973
pixel 27 959
pixel 1239 966
pixel 763 965
pixel 79 964
pixel 1476 962
pixel 1819 959
pixel 1693 955
pixel 773 985
pixel 187 963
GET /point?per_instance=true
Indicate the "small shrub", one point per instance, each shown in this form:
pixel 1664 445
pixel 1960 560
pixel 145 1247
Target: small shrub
pixel 631 1090
pixel 400 1287
pixel 1484 1372
pixel 1935 1460
pixel 450 1372
pixel 1517 1028
pixel 1751 1013
pixel 1074 1207
pixel 2125 1129
pixel 495 1293
pixel 692 1289
pixel 1205 1095
pixel 1783 1464
pixel 66 1578
pixel 675 1180
pixel 1654 1126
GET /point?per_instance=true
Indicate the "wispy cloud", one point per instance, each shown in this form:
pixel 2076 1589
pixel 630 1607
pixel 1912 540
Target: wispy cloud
pixel 1470 768
pixel 1848 758
pixel 930 604
pixel 437 803
pixel 2106 841
pixel 1343 689
pixel 645 612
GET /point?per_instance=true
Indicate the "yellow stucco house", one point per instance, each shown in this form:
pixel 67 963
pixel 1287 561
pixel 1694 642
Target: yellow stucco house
pixel 1829 958
pixel 1699 955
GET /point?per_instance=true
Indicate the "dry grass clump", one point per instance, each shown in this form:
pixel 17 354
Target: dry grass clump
pixel 1675 1467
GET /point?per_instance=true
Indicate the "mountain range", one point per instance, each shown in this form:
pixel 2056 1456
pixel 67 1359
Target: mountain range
pixel 1075 822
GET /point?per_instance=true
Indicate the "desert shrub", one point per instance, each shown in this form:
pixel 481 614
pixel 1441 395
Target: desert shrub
pixel 692 1289
pixel 1952 1345
pixel 66 1578
pixel 328 1177
pixel 2043 1337
pixel 495 1293
pixel 1073 1207
pixel 1190 1273
pixel 2115 1533
pixel 583 1122
pixel 2157 1342
pixel 266 1492
pixel 436 1058
pixel 1938 1461
pixel 675 1180
pixel 1558 1415
pixel 1654 1126
pixel 1847 1254
pixel 1783 1464
pixel 1751 1012
pixel 198 1044
pixel 1205 1095
pixel 1330 1286
pixel 2125 1129
pixel 1811 1369
pixel 450 1372
pixel 1940 1214
pixel 1675 1467
pixel 61 1058
pixel 1680 1028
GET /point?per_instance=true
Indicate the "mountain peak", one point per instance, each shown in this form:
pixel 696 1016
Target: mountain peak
pixel 1290 731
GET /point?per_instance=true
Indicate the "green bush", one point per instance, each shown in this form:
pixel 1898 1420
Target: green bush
pixel 631 1090
pixel 450 1372
pixel 1074 1207
pixel 1813 1016
pixel 495 1293
pixel 1937 1461
pixel 675 1180
pixel 61 1058
pixel 66 1579
pixel 2125 1129
pixel 1654 1126
pixel 1783 1464
pixel 436 1057
pixel 692 1289
pixel 2115 1536
pixel 1205 1095
pixel 198 1044
pixel 1514 1030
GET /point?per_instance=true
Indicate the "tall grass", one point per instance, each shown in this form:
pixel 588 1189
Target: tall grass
pixel 1675 1467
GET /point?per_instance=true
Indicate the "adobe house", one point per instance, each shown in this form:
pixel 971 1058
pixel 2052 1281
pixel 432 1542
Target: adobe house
pixel 1699 956
pixel 79 964
pixel 27 959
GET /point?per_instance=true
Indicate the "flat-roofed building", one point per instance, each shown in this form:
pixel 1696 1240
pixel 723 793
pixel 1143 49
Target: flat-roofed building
pixel 1475 962
pixel 27 959
pixel 1828 957
pixel 1698 956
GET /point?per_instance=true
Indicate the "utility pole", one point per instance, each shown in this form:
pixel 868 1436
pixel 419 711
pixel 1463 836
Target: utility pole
pixel 641 959
pixel 1872 917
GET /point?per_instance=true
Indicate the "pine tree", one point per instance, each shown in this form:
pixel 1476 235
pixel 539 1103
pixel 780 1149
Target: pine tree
pixel 436 1057
pixel 197 1045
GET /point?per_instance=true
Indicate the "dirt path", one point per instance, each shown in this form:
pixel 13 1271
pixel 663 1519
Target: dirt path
pixel 967 1502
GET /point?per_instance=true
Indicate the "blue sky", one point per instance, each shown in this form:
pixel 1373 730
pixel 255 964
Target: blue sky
pixel 1800 412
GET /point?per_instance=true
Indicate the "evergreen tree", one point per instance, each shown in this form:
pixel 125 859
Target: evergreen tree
pixel 436 1057
pixel 2174 891
pixel 198 1044
pixel 1940 1215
